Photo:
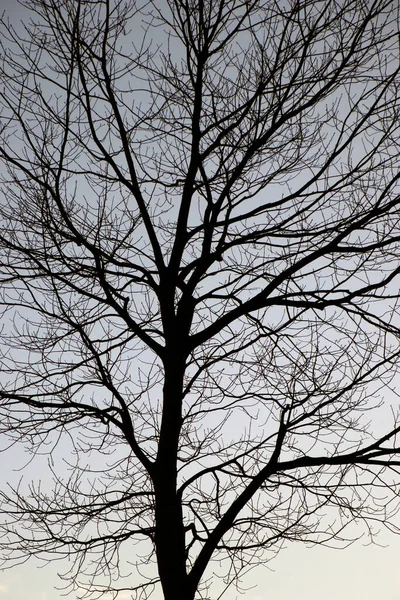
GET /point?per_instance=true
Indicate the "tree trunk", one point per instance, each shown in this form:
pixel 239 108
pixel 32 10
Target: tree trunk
pixel 170 534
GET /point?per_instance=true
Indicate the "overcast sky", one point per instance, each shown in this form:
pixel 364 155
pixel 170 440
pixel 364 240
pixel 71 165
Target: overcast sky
pixel 357 573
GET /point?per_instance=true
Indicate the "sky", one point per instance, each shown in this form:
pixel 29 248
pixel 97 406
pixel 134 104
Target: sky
pixel 360 572
pixel 357 573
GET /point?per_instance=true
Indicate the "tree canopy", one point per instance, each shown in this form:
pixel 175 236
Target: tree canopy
pixel 199 283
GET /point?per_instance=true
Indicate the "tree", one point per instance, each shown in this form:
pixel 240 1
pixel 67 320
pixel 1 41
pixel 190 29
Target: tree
pixel 199 281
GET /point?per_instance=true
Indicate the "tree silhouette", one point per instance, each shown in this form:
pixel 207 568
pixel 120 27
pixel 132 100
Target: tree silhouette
pixel 199 237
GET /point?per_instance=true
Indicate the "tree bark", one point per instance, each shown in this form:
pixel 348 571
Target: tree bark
pixel 170 533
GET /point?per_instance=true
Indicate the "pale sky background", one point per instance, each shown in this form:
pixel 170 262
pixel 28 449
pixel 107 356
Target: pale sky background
pixel 357 573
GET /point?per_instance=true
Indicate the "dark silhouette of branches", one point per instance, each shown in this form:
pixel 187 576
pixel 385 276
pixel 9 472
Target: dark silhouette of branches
pixel 199 245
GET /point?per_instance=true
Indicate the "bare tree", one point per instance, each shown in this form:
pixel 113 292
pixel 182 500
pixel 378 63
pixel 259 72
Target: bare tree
pixel 200 267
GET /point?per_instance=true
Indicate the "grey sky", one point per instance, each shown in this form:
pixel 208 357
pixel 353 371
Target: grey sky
pixel 357 573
